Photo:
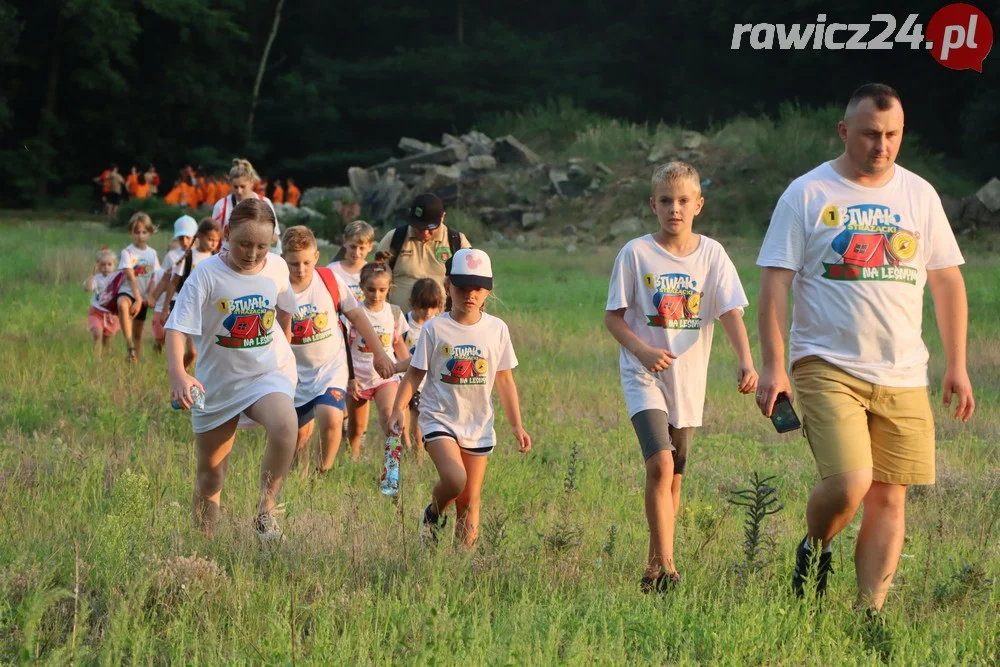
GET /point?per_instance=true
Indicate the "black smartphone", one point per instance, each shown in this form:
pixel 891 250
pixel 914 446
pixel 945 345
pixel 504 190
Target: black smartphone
pixel 783 415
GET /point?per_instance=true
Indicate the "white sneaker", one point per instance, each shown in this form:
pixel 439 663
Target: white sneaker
pixel 267 528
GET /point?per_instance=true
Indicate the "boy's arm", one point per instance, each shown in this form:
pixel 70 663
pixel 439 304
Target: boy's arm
pixel 652 359
pixel 383 364
pixel 951 307
pixel 402 355
pixel 732 322
pixel 507 392
pixel 772 318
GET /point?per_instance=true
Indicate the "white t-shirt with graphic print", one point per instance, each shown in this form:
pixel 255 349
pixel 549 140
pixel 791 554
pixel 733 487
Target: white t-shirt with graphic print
pixel 389 329
pixel 672 303
pixel 352 280
pixel 241 348
pixel 861 257
pixel 100 282
pixel 412 337
pixel 462 362
pixel 143 263
pixel 317 341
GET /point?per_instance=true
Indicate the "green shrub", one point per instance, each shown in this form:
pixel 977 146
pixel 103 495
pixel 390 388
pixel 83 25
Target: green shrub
pixel 161 213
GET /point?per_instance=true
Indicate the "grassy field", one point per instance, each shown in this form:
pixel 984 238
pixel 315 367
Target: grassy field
pixel 99 562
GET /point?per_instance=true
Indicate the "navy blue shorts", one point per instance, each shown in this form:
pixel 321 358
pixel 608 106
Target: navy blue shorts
pixel 334 397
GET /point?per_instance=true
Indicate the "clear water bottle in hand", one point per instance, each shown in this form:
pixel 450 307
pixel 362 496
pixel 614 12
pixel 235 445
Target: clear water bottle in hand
pixel 197 399
pixel 390 468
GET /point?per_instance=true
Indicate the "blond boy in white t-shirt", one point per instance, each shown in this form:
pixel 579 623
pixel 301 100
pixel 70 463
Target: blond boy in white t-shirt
pixel 666 291
pixel 318 342
pixel 856 239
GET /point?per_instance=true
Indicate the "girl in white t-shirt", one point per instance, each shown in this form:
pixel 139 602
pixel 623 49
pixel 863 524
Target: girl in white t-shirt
pixel 205 244
pixel 185 228
pixel 427 300
pixel 389 324
pixel 359 239
pixel 666 291
pixel 318 343
pixel 103 325
pixel 242 178
pixel 138 262
pixel 462 354
pixel 238 307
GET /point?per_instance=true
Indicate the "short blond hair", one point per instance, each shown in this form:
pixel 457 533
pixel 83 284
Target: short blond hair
pixel 106 253
pixel 675 171
pixel 298 238
pixel 359 230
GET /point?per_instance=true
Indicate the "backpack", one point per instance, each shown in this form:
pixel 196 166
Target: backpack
pixel 108 298
pixel 330 281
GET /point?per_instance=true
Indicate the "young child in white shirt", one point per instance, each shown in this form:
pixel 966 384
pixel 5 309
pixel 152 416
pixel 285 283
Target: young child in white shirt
pixel 359 239
pixel 389 325
pixel 667 289
pixel 462 354
pixel 427 300
pixel 207 238
pixel 319 345
pixel 185 228
pixel 238 309
pixel 102 323
pixel 138 261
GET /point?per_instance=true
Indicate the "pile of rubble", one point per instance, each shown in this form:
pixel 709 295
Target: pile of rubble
pixel 502 181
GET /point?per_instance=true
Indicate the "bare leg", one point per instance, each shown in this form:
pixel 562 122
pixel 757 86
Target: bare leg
pixel 212 449
pixel 834 502
pixel 384 399
pixel 99 344
pixel 357 424
pixel 467 503
pixel 276 413
pixel 302 457
pixel 880 542
pixel 107 343
pixel 675 495
pixel 660 514
pixel 447 458
pixel 331 422
pixel 125 317
pixel 418 438
pixel 137 327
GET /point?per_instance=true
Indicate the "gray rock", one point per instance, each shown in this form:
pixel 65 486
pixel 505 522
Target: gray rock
pixel 691 155
pixel 568 230
pixel 691 139
pixel 313 195
pixel 575 161
pixel 630 225
pixel 604 169
pixel 482 162
pixel 360 180
pixel 450 140
pixel 659 154
pixel 508 150
pixel 306 212
pixel 571 248
pixel 989 195
pixel 438 177
pixel 952 208
pixel 531 218
pixel 480 149
pixel 557 178
pixel 576 171
pixel 384 196
pixel 477 137
pixel 415 146
pixel 587 224
pixel 447 155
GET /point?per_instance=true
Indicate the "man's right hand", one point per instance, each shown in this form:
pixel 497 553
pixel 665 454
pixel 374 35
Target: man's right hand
pixel 773 381
pixel 654 359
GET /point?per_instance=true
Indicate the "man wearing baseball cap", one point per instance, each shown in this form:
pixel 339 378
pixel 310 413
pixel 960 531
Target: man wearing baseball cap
pixel 420 247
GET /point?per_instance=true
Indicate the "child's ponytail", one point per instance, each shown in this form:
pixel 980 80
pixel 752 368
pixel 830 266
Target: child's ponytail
pixel 380 266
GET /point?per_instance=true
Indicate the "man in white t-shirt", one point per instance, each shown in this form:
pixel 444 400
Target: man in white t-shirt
pixel 856 239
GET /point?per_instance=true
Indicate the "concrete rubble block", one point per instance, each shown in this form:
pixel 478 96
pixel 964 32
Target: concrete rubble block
pixel 412 146
pixel 508 150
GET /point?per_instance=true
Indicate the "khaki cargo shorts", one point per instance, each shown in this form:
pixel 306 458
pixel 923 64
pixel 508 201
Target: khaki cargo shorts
pixel 852 424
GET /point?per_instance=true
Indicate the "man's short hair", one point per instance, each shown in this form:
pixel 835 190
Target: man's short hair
pixel 879 93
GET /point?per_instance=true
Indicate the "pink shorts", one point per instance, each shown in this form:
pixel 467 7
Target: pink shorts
pixel 103 321
pixel 369 394
pixel 159 333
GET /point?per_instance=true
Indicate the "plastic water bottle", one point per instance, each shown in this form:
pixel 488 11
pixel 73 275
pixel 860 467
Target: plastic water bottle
pixel 197 398
pixel 390 468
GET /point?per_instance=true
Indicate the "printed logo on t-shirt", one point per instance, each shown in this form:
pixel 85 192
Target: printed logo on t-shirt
pixel 677 301
pixel 411 341
pixel 309 325
pixel 442 253
pixel 356 291
pixel 872 245
pixel 384 337
pixel 466 365
pixel 248 323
